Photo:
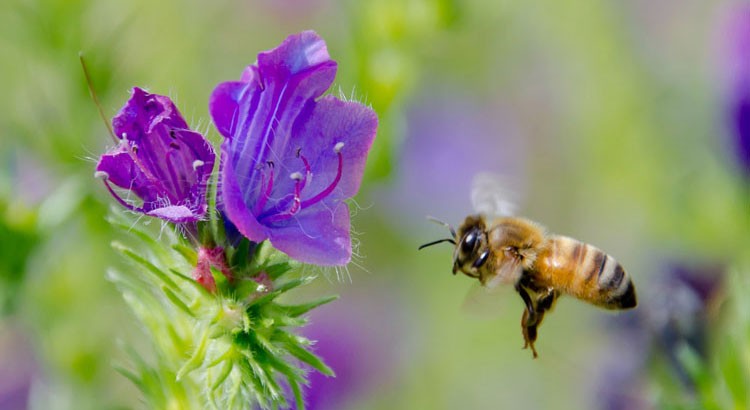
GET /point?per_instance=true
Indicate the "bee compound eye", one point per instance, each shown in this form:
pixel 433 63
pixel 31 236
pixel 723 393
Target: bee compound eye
pixel 468 243
pixel 481 259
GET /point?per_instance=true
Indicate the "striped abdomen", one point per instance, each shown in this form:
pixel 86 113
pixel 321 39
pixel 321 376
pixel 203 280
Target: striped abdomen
pixel 586 272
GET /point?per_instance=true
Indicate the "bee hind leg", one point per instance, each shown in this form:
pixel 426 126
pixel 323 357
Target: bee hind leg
pixel 529 320
pixel 529 332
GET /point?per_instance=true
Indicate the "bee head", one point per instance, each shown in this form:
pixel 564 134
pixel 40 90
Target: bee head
pixel 471 250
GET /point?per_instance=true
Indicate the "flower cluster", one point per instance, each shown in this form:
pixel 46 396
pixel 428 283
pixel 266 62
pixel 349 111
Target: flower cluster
pixel 289 160
pixel 735 44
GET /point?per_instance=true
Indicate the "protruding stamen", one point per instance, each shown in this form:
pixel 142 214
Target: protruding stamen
pixel 120 200
pixel 101 175
pixel 308 170
pixel 197 164
pixel 296 201
pixel 265 193
pixel 327 191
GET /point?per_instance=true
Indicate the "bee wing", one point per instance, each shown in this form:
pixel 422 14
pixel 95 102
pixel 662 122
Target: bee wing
pixel 492 195
pixel 486 300
pixel 482 302
pixel 509 270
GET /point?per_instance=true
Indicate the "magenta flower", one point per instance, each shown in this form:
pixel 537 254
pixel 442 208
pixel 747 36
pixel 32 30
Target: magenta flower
pixel 290 158
pixel 159 160
pixel 736 45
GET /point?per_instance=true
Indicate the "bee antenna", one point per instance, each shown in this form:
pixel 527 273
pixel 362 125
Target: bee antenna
pixel 445 224
pixel 437 242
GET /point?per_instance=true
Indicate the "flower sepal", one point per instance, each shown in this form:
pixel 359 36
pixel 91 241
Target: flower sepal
pixel 228 347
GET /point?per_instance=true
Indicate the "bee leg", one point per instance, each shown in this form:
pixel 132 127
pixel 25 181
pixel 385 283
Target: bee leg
pixel 529 319
pixel 546 300
pixel 527 301
pixel 529 333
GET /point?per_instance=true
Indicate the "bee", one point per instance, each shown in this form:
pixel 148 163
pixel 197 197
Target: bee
pixel 541 267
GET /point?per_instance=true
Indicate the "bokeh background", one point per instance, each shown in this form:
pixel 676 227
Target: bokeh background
pixel 611 119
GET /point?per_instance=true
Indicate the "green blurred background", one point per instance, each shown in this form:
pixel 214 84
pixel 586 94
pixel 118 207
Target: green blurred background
pixel 605 116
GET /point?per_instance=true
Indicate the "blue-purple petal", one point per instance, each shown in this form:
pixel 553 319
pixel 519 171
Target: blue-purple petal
pixel 233 205
pixel 224 103
pixel 295 54
pixel 289 157
pixel 319 237
pixel 330 122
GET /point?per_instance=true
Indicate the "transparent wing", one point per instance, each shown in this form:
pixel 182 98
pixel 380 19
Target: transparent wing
pixel 482 302
pixel 493 196
pixel 486 300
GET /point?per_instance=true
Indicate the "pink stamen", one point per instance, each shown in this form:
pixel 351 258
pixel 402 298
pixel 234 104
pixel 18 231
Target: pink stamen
pixel 308 170
pixel 264 195
pixel 324 193
pixel 296 201
pixel 300 182
pixel 133 152
pixel 120 200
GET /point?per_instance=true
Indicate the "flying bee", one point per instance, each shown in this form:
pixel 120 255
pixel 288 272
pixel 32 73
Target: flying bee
pixel 541 266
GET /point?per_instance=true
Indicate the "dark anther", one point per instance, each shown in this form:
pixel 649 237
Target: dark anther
pixel 171 134
pixel 174 145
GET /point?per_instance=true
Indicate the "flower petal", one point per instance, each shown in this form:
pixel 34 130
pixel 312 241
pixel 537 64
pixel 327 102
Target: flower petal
pixel 233 204
pixel 224 104
pixel 121 170
pixel 159 159
pixel 292 76
pixel 297 53
pixel 143 112
pixel 175 214
pixel 320 238
pixel 333 121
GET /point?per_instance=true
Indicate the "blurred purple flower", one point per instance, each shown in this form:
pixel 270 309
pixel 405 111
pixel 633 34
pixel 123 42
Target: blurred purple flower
pixel 451 137
pixel 19 368
pixel 361 339
pixel 736 47
pixel 290 158
pixel 676 312
pixel 159 160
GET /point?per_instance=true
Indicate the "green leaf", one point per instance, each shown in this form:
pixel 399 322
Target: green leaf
pixel 177 301
pixel 195 360
pixel 302 354
pixel 299 310
pixel 279 290
pixel 187 252
pixel 150 267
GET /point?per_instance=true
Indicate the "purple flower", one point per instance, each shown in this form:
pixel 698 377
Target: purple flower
pixel 736 45
pixel 290 158
pixel 159 160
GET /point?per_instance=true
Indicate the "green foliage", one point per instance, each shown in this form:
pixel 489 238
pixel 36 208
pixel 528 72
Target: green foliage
pixel 18 236
pixel 224 350
pixel 721 381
